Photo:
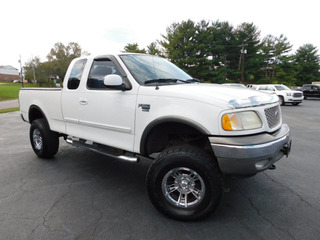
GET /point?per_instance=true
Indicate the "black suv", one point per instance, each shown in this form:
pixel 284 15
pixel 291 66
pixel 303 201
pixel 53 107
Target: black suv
pixel 311 90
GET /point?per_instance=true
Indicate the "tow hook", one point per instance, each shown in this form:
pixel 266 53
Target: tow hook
pixel 287 148
pixel 272 167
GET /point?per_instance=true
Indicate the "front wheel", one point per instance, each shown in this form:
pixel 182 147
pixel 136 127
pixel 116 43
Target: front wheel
pixel 45 143
pixel 184 183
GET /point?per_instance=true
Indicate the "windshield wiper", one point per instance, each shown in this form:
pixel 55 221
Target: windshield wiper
pixel 192 80
pixel 162 80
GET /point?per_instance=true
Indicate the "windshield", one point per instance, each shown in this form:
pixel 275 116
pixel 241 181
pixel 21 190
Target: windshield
pixel 281 87
pixel 152 70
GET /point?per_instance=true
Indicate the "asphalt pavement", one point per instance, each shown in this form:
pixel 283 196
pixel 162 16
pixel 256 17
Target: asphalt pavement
pixel 83 195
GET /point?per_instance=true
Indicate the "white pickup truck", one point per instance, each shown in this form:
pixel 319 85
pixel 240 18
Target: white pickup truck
pixel 129 106
pixel 285 94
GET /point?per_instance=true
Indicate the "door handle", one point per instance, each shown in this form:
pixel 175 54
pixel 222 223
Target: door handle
pixel 83 101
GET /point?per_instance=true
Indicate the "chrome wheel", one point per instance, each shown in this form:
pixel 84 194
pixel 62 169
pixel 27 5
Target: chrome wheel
pixel 183 187
pixel 37 139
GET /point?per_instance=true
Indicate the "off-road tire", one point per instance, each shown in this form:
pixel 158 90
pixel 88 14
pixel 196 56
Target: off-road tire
pixel 202 177
pixel 44 142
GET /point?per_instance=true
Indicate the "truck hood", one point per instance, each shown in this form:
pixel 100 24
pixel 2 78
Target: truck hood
pixel 229 96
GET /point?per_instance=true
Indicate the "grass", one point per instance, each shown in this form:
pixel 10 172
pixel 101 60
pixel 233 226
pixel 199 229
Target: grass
pixel 9 91
pixel 9 110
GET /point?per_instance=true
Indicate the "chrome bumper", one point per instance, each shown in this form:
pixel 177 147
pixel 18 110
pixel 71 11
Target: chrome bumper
pixel 251 154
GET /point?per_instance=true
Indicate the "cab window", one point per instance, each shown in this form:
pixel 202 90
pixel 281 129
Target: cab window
pixel 76 73
pixel 100 69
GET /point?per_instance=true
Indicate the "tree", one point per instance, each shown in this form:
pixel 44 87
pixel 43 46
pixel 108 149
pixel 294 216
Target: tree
pixel 134 48
pixel 275 51
pixel 179 45
pixel 217 52
pixel 153 49
pixel 41 70
pixel 248 45
pixel 61 56
pixel 307 60
pixel 221 47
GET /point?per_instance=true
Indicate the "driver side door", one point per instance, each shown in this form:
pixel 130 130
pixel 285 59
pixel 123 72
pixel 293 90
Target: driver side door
pixel 107 114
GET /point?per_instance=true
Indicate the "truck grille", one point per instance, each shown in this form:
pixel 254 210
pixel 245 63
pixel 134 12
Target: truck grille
pixel 297 95
pixel 273 116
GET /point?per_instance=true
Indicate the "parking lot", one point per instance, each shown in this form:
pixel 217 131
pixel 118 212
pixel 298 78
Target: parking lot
pixel 83 195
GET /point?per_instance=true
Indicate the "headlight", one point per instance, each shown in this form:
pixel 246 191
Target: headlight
pixel 241 121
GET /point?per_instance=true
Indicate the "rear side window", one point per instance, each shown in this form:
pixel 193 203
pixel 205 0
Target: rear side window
pixel 76 73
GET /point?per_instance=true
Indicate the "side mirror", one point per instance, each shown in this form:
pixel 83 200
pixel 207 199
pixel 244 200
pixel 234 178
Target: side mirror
pixel 112 80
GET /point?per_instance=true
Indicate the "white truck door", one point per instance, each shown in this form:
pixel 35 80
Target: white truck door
pixel 70 96
pixel 107 114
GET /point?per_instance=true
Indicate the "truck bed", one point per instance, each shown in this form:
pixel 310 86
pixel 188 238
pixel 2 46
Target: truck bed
pixel 48 100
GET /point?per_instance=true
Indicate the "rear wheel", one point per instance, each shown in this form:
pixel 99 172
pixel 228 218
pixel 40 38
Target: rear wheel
pixel 184 183
pixel 45 143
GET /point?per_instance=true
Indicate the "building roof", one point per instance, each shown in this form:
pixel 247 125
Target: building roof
pixel 9 70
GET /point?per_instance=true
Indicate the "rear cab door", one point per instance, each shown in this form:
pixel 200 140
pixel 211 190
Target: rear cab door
pixel 70 101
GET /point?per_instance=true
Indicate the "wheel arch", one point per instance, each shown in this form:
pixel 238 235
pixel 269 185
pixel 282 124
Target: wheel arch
pixel 35 112
pixel 157 131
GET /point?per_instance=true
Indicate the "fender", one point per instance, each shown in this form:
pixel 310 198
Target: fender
pixel 38 114
pixel 169 119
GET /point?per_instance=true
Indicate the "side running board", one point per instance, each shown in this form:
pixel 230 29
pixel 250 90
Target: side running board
pixel 102 149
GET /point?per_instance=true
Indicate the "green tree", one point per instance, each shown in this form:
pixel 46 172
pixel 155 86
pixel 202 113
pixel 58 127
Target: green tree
pixel 179 45
pixel 61 56
pixel 249 62
pixel 134 48
pixel 286 72
pixel 58 58
pixel 222 51
pixel 307 61
pixel 153 49
pixel 275 52
pixel 40 70
pixel 217 52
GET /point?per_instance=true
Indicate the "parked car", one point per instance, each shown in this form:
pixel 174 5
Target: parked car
pixel 311 90
pixel 285 94
pixel 296 88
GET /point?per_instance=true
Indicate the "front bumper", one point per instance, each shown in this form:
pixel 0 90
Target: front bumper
pixel 248 155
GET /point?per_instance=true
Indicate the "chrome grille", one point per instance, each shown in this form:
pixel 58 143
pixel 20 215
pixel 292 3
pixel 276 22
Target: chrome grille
pixel 273 116
pixel 297 95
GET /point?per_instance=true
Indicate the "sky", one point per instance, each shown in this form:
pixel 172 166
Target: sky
pixel 31 28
